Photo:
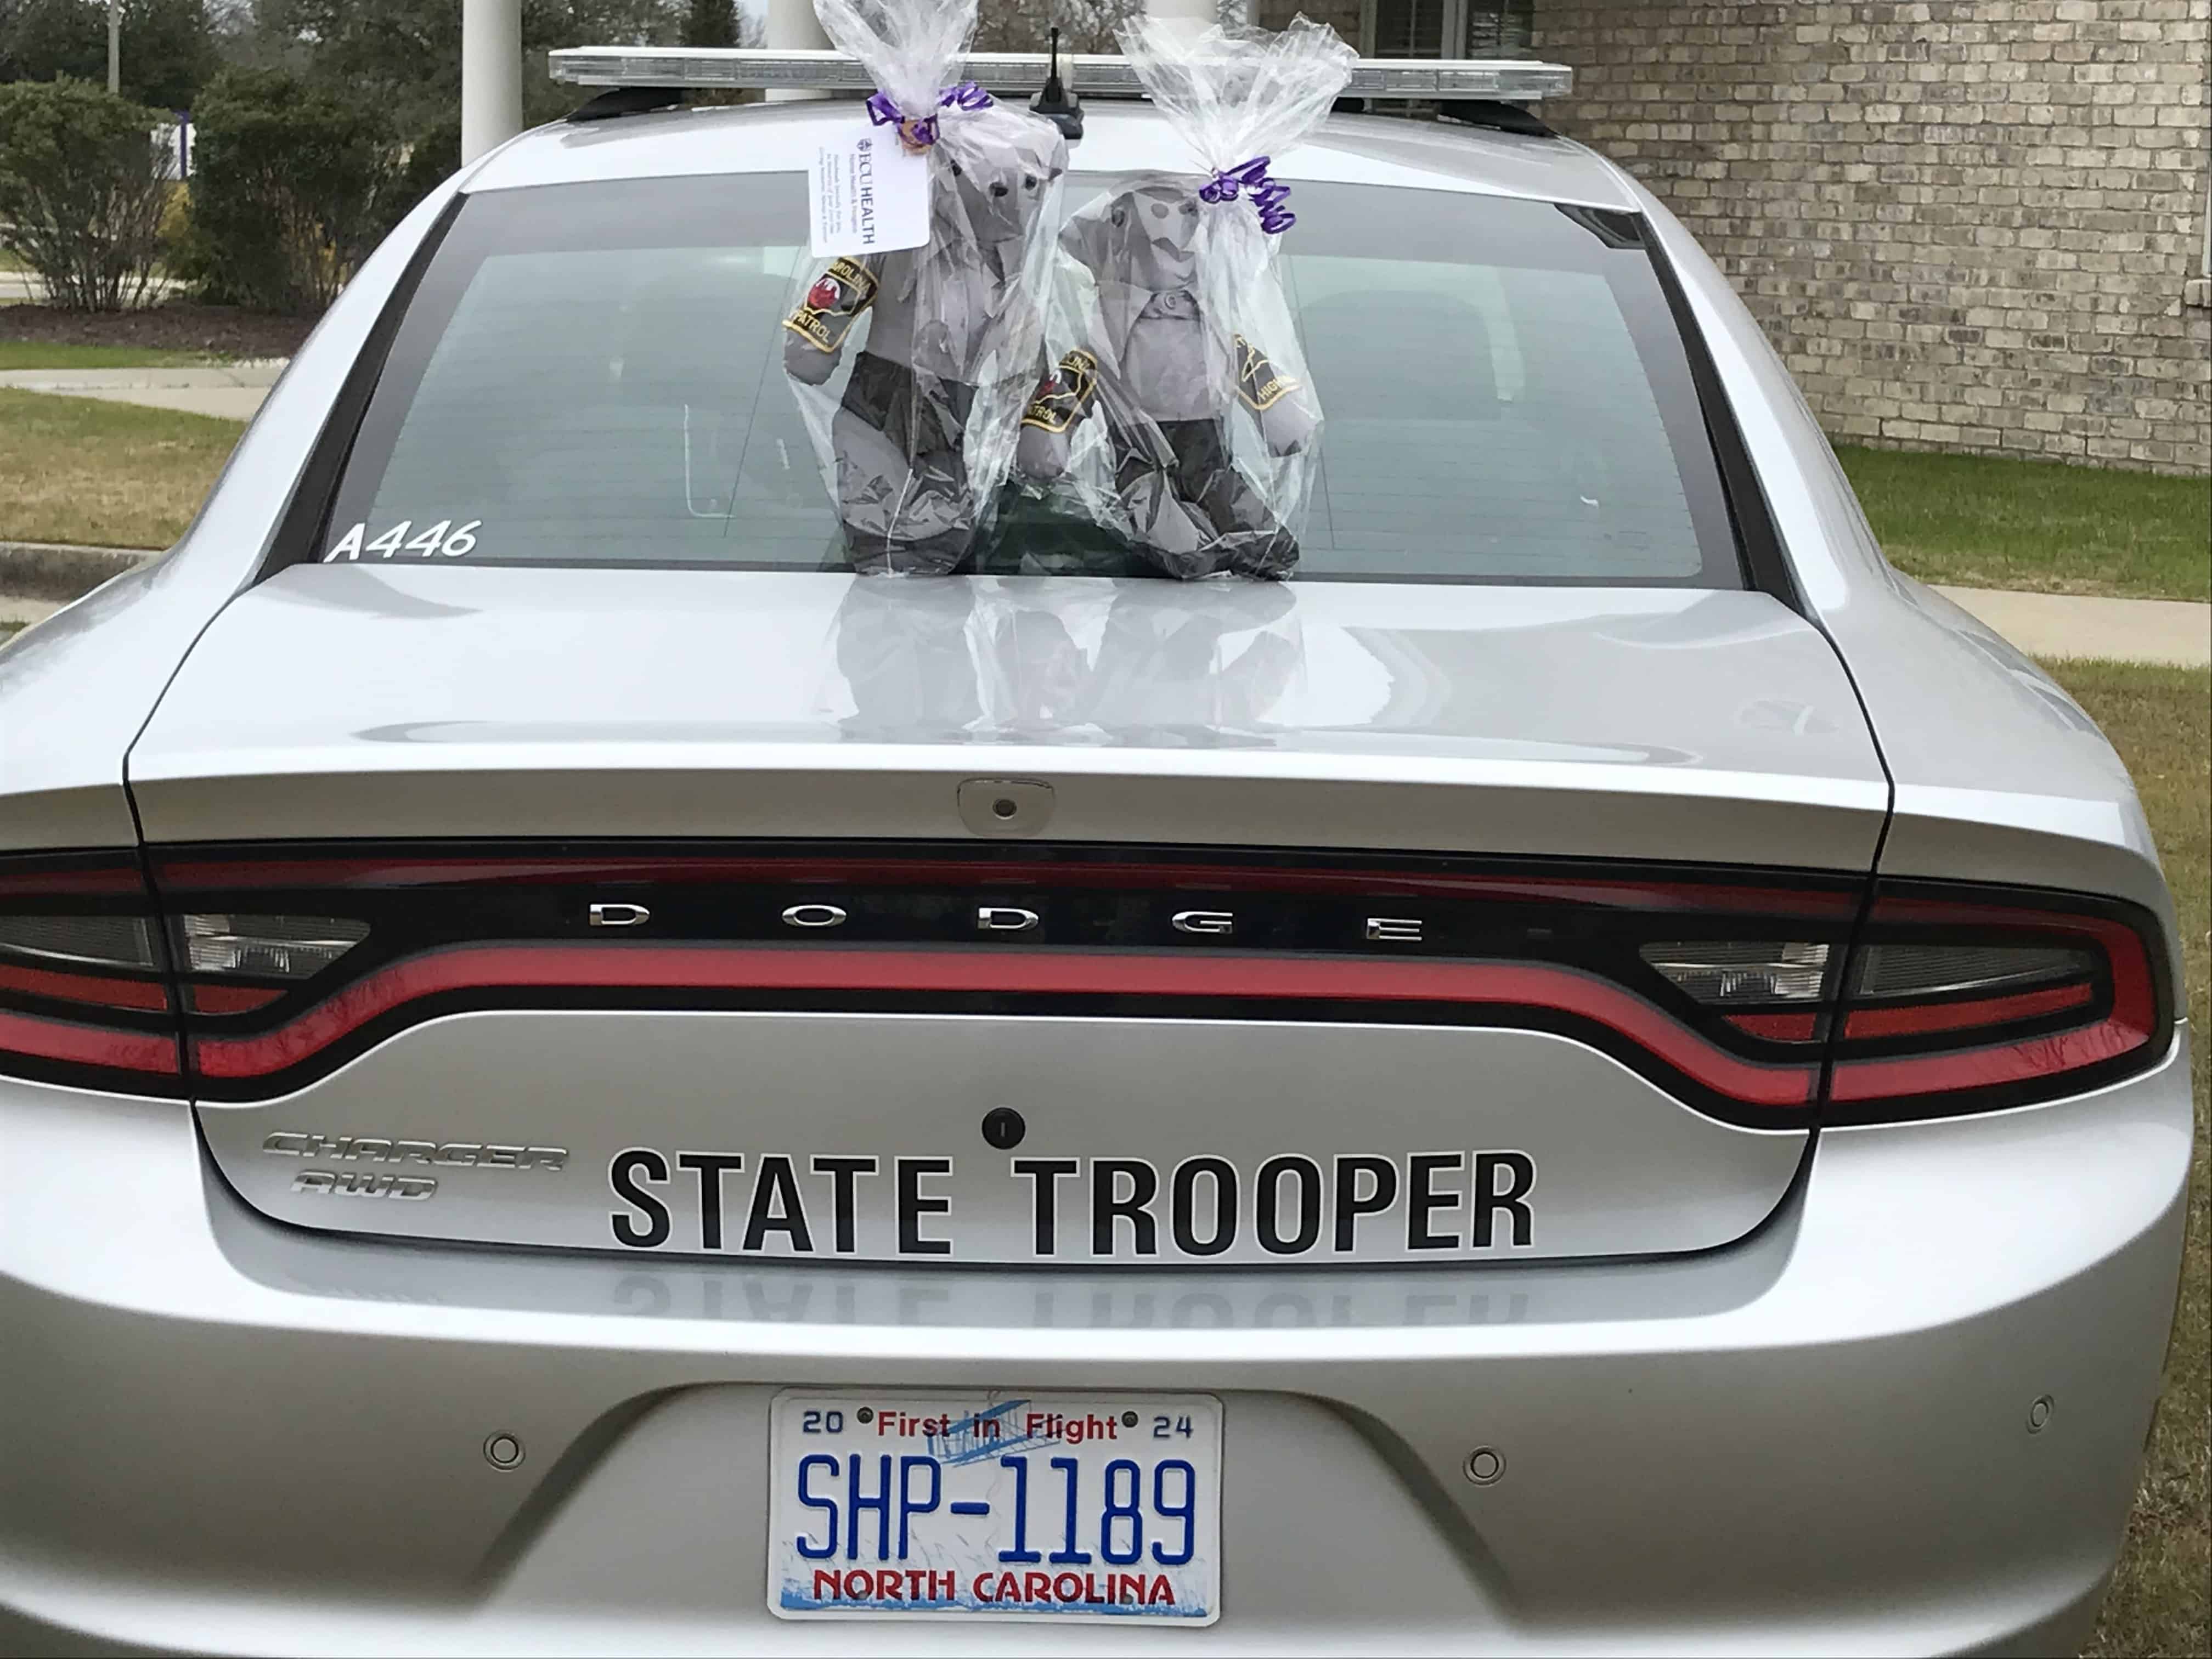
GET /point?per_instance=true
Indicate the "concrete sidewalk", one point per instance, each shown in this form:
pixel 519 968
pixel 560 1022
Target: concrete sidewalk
pixel 231 390
pixel 2173 632
pixel 21 613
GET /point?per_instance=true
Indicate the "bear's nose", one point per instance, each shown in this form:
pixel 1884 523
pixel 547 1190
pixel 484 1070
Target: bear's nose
pixel 998 190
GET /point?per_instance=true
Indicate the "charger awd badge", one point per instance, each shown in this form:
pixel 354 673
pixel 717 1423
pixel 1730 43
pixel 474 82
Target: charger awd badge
pixel 378 1149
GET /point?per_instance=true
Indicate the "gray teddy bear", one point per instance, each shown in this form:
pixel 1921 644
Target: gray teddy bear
pixel 1163 378
pixel 952 319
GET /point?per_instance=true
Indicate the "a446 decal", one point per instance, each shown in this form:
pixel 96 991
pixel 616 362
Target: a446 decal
pixel 442 540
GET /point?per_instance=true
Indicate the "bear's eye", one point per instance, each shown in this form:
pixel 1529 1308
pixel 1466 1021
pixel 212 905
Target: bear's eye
pixel 956 168
pixel 1029 181
pixel 1120 217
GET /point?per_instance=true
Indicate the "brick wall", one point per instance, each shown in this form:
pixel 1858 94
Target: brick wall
pixel 1968 224
pixel 1342 16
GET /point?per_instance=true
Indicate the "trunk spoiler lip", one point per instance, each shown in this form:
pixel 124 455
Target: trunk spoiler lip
pixel 1214 798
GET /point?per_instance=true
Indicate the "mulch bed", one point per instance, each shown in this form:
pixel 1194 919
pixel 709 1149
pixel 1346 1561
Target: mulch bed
pixel 178 325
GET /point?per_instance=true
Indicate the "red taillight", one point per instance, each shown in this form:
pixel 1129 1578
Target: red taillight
pixel 1924 1018
pixel 84 996
pixel 81 988
pixel 1742 995
pixel 1777 1027
pixel 296 959
pixel 1369 985
pixel 228 998
pixel 1962 1000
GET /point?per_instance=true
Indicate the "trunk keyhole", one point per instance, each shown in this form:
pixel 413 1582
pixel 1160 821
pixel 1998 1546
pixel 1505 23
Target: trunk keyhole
pixel 1003 1127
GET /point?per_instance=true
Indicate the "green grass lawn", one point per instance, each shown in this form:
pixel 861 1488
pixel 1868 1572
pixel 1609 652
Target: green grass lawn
pixel 2161 720
pixel 37 353
pixel 103 474
pixel 1983 521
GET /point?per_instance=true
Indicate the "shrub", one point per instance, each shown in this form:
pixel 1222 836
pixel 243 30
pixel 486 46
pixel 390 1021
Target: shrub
pixel 82 192
pixel 167 45
pixel 292 187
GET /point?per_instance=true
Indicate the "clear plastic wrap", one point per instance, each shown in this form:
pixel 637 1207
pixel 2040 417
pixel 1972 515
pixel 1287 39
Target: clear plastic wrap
pixel 1179 416
pixel 912 368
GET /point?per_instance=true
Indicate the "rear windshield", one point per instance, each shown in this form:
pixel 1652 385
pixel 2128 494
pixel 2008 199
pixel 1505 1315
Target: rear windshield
pixel 591 374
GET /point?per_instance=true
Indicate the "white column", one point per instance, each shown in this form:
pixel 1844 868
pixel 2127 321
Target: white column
pixel 491 75
pixel 792 25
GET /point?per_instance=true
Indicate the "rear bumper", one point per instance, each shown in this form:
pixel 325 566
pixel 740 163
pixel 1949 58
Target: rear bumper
pixel 226 1436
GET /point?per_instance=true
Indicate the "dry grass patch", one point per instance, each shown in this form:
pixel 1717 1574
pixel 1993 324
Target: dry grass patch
pixel 2161 720
pixel 104 474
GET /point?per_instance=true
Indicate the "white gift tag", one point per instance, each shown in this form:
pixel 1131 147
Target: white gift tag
pixel 870 195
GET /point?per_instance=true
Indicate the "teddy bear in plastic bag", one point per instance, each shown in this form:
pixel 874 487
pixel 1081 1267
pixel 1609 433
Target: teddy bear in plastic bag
pixel 1182 419
pixel 917 445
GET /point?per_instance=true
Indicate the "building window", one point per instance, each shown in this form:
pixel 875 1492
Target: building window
pixel 1446 29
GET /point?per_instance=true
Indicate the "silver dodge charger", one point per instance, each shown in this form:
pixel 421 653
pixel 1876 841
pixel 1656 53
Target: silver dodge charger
pixel 1597 1073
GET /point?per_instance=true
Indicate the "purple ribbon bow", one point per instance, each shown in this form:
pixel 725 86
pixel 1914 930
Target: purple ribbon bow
pixel 919 135
pixel 1268 195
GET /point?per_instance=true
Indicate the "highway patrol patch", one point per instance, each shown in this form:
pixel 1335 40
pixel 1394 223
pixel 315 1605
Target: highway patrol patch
pixel 840 295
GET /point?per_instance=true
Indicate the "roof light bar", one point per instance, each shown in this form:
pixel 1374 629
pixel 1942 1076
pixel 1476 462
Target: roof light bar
pixel 1024 72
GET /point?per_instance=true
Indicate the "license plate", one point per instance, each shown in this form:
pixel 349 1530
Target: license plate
pixel 929 1505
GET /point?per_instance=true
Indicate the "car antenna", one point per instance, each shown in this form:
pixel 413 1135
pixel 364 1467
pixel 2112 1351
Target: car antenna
pixel 1055 102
